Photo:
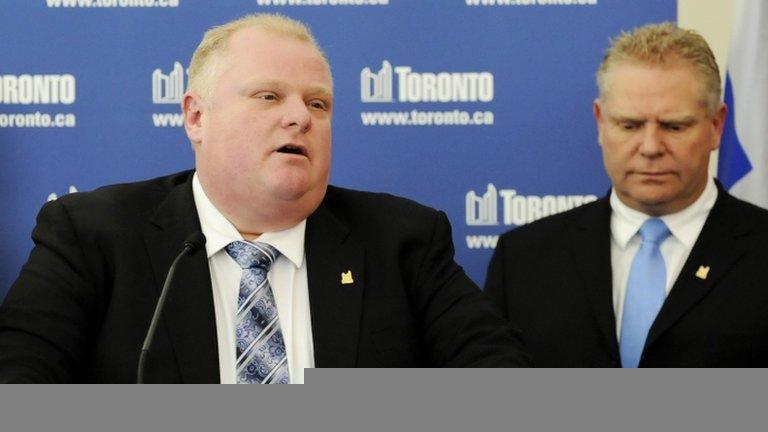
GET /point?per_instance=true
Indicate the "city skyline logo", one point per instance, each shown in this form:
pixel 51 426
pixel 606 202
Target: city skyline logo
pixel 168 88
pixel 507 207
pixel 482 210
pixel 53 196
pixel 376 87
pixel 404 84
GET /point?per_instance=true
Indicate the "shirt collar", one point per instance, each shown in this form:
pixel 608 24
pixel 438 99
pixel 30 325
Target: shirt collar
pixel 684 225
pixel 219 232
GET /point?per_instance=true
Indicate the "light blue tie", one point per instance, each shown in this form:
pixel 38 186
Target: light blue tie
pixel 646 290
pixel 261 357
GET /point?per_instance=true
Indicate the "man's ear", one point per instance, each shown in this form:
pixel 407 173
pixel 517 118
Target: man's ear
pixel 718 123
pixel 192 108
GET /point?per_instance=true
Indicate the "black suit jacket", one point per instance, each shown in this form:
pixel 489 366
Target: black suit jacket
pixel 83 301
pixel 553 279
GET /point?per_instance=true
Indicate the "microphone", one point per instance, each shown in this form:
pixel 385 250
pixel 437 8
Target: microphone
pixel 194 242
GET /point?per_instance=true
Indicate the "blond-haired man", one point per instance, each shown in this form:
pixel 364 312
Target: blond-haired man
pixel 668 270
pixel 295 274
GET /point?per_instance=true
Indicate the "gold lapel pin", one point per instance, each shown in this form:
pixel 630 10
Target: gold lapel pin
pixel 346 277
pixel 702 272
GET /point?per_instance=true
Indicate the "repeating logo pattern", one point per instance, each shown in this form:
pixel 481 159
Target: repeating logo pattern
pixel 478 93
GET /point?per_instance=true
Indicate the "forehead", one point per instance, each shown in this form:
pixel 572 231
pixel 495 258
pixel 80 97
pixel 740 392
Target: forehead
pixel 264 52
pixel 667 87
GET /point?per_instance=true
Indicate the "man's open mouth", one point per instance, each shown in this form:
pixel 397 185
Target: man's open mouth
pixel 292 149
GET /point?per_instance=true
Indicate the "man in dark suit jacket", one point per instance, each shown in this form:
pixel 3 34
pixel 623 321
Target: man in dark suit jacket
pixel 566 280
pixel 377 271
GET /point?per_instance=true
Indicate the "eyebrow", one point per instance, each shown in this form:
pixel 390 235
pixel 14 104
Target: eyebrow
pixel 252 85
pixel 686 119
pixel 322 91
pixel 316 91
pixel 625 118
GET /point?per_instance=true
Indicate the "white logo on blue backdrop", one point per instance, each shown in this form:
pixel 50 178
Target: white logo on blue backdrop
pixel 479 90
pixel 482 210
pixel 168 88
pixel 376 87
pixel 53 196
pixel 38 89
pixel 516 209
pixel 415 87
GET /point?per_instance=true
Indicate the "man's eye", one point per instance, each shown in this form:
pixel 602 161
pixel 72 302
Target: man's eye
pixel 266 96
pixel 629 126
pixel 319 105
pixel 673 127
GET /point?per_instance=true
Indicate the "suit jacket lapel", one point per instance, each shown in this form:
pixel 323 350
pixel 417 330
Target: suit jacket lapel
pixel 718 247
pixel 335 302
pixel 590 248
pixel 189 313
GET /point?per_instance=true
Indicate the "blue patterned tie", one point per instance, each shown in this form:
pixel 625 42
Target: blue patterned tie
pixel 261 357
pixel 645 292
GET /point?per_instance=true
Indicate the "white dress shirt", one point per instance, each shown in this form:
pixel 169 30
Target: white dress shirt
pixel 287 277
pixel 684 225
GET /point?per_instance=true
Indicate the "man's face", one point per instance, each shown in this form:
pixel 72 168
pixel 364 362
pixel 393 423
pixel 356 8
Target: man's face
pixel 264 136
pixel 656 135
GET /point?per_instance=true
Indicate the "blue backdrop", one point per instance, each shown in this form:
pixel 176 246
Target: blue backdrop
pixel 481 108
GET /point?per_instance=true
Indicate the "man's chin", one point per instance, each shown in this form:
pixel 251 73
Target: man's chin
pixel 289 194
pixel 649 200
pixel 654 204
pixel 298 192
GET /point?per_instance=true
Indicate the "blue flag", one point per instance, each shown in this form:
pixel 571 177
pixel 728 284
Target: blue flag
pixel 743 162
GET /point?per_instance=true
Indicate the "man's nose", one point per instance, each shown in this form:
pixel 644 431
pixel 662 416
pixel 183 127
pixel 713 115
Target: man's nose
pixel 297 115
pixel 652 144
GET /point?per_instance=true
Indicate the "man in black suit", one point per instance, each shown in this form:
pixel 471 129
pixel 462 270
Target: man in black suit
pixel 669 269
pixel 294 273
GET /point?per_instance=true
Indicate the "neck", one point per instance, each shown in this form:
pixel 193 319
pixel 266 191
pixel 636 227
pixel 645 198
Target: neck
pixel 254 214
pixel 250 236
pixel 252 221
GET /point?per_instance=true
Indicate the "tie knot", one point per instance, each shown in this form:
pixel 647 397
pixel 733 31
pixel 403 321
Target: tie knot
pixel 654 230
pixel 249 255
